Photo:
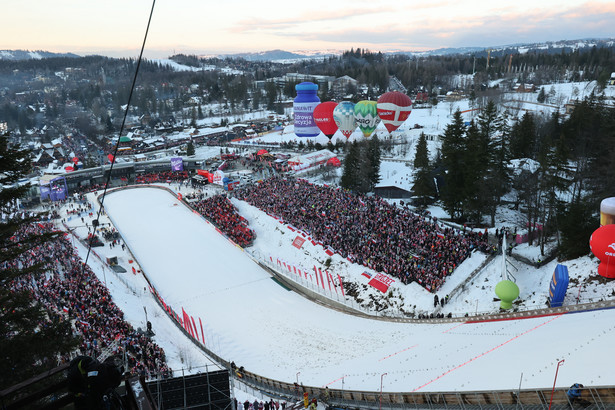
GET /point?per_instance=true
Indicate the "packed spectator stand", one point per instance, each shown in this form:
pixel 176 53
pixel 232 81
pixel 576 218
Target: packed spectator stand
pixel 167 177
pixel 219 210
pixel 69 290
pixel 368 230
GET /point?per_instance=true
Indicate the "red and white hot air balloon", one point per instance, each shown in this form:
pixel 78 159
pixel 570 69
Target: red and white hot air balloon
pixel 393 109
pixel 323 117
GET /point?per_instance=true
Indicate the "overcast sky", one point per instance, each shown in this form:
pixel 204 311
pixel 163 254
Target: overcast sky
pixel 116 27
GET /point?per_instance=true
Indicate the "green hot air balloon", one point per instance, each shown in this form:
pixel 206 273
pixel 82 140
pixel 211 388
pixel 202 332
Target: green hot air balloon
pixel 366 115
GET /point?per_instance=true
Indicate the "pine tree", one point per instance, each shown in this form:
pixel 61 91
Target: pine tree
pixel 541 95
pixel 31 339
pixel 351 167
pixel 498 175
pixel 523 137
pixel 373 154
pixel 475 170
pixel 453 147
pixel 424 187
pixel 190 148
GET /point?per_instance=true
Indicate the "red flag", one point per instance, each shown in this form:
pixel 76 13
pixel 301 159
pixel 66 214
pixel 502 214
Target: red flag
pixel 316 274
pixel 328 280
pixel 196 333
pixel 183 317
pixel 322 281
pixel 202 334
pixel 341 284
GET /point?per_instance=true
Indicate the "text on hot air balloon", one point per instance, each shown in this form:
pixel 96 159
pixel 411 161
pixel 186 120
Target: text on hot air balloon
pixel 367 121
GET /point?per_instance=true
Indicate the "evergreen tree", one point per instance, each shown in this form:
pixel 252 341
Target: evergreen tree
pixel 351 167
pixel 576 222
pixel 523 137
pixel 497 178
pixel 453 148
pixel 373 155
pixel 424 187
pixel 475 192
pixel 190 148
pixel 542 96
pixel 31 339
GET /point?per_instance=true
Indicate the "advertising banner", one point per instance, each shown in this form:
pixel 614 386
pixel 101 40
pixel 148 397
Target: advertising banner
pixel 298 242
pixel 381 282
pixel 177 164
pixel 558 286
pixel 218 178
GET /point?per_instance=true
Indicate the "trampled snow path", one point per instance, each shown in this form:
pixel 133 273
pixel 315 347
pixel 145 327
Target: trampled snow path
pixel 250 319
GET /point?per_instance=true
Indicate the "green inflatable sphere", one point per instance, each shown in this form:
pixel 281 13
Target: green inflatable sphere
pixel 507 291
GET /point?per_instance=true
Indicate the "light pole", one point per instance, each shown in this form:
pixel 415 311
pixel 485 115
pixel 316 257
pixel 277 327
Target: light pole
pixel 554 380
pixel 381 376
pixel 298 373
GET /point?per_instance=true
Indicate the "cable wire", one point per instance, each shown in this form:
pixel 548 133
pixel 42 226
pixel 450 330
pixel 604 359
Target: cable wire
pixel 95 223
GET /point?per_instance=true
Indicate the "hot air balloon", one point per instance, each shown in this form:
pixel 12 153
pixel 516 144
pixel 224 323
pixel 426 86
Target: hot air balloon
pixel 323 116
pixel 366 115
pixel 393 109
pixel 303 107
pixel 343 115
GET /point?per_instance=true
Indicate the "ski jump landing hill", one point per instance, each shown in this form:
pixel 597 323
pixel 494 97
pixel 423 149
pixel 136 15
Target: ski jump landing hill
pixel 278 334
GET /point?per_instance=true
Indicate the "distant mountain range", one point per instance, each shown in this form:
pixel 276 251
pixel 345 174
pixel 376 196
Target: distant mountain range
pixel 15 55
pixel 288 56
pixel 550 47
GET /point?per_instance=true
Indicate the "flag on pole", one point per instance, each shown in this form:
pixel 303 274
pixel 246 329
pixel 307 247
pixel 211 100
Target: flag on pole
pixel 202 334
pixel 196 333
pixel 341 284
pixel 328 280
pixel 322 281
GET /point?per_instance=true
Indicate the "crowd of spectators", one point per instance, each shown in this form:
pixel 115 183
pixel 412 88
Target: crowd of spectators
pixel 166 176
pixel 368 230
pixel 69 290
pixel 219 210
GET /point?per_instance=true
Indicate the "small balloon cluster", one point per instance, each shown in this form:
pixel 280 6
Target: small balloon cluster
pixel 393 108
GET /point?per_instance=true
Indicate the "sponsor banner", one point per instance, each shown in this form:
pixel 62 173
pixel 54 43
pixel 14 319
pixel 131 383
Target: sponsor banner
pixel 298 242
pixel 381 282
pixel 177 164
pixel 218 178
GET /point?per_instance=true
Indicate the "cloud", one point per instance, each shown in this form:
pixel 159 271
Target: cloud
pixel 256 24
pixel 500 27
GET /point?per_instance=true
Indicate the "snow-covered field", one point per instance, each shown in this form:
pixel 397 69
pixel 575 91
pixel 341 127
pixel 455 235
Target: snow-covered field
pixel 250 319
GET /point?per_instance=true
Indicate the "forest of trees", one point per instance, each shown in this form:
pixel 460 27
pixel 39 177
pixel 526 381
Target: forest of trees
pixel 99 84
pixel 562 170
